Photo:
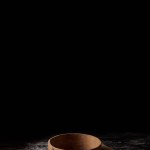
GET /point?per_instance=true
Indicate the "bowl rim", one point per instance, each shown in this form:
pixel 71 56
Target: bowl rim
pixel 64 134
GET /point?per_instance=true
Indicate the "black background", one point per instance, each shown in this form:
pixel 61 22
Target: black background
pixel 73 74
pixel 42 101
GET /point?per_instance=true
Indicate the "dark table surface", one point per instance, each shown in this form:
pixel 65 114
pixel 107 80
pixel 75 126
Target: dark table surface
pixel 118 141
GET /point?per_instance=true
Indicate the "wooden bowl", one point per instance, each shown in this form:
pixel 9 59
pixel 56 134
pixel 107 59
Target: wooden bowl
pixel 76 141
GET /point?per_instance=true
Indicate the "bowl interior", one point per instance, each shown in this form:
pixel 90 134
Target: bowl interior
pixel 75 141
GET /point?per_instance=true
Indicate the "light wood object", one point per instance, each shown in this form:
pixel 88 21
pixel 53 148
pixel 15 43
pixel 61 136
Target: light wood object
pixel 76 141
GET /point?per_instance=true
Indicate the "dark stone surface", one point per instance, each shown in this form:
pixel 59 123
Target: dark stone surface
pixel 118 141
